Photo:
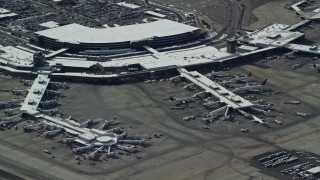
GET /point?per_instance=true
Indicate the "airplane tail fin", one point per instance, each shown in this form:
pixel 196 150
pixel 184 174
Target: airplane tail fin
pixel 264 82
pixel 247 84
pixel 249 74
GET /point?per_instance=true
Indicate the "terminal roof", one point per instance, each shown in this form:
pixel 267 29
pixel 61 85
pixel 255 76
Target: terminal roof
pixel 76 33
pixel 17 56
pixel 180 58
pixel 275 35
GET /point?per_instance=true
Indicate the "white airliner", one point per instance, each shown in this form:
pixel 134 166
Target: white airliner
pixel 258 120
pixel 200 95
pixel 63 85
pixel 52 133
pixel 266 113
pixel 13 111
pixel 108 122
pixel 251 88
pixel 4 105
pixel 87 123
pixel 26 82
pixel 215 114
pixel 49 111
pixel 10 120
pixel 126 148
pixel 19 92
pixel 215 74
pixel 245 114
pixel 190 86
pixel 69 140
pixel 238 79
pixel 182 101
pixel 260 101
pixel 316 67
pixel 82 149
pixel 31 127
pixel 134 142
pixel 49 103
pixel 175 79
pixel 53 92
pixel 72 122
pixel 212 104
pixel 110 153
pixel 94 153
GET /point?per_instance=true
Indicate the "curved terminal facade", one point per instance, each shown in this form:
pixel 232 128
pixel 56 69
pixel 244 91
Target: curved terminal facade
pixel 155 34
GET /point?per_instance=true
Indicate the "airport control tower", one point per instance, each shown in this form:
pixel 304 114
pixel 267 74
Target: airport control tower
pixel 231 45
pixel 38 59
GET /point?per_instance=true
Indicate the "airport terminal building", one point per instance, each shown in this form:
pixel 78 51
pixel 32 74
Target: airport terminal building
pixel 78 38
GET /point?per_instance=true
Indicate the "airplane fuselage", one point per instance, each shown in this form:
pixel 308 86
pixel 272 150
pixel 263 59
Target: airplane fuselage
pixel 317 67
pixel 249 89
pixel 4 105
pixel 181 101
pixel 239 79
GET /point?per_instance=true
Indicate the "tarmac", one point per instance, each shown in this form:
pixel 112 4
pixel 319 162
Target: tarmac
pixel 185 150
pixel 222 152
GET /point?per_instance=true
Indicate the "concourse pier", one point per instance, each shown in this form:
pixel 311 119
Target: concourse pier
pixel 35 94
pixel 223 94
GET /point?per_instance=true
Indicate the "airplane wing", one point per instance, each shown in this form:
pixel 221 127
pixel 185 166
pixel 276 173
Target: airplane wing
pixel 254 90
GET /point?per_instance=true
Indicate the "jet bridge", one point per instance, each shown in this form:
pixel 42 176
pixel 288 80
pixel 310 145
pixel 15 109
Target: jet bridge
pixel 223 94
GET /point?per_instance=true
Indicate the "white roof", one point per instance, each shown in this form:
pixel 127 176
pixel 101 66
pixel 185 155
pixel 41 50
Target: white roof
pixel 302 48
pixel 50 24
pixel 75 33
pixel 314 170
pixel 14 55
pixel 180 58
pixel 275 35
pixel 7 15
pixel 314 15
pixel 104 139
pixel 128 5
pixel 248 48
pixel 3 11
pixel 72 63
pixel 298 24
pixel 152 13
pixel 87 136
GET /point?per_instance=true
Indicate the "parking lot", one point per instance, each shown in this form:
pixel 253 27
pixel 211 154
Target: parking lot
pixel 287 164
pixel 88 13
